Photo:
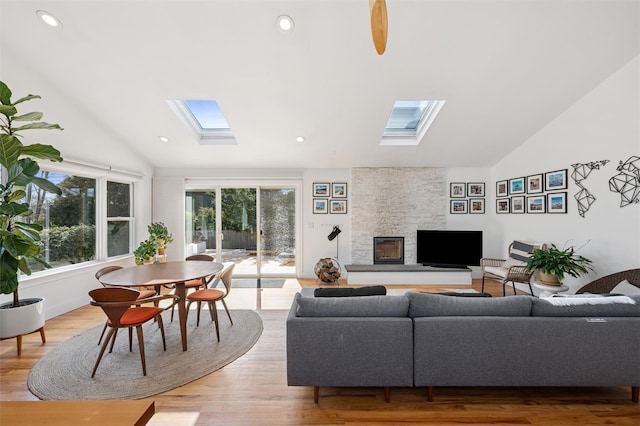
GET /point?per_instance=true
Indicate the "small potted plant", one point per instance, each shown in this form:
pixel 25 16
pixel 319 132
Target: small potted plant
pixel 159 233
pixel 553 264
pixel 145 253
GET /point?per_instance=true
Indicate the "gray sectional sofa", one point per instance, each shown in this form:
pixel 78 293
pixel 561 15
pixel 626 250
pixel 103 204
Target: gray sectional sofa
pixel 427 340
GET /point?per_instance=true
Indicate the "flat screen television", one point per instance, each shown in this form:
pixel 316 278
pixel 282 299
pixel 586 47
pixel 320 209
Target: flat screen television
pixel 449 248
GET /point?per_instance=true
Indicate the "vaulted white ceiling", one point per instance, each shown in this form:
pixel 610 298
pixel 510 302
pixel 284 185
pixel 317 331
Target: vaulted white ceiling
pixel 505 69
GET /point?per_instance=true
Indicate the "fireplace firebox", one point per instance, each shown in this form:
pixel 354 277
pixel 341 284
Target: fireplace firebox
pixel 388 250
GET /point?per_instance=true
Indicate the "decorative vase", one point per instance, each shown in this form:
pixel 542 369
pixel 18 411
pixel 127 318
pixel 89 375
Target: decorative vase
pixel 549 279
pixel 25 319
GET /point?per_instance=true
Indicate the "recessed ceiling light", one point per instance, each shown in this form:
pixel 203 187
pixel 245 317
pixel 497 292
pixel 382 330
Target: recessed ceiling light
pixel 299 138
pixel 163 139
pixel 285 23
pixel 49 19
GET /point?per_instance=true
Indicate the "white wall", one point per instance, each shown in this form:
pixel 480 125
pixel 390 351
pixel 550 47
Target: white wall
pixel 603 125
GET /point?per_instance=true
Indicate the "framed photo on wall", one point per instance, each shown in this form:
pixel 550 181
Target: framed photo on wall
pixel 458 207
pixel 555 180
pixel 502 205
pixel 534 184
pixel 321 189
pixel 320 206
pixel 338 206
pixel 516 186
pixel 475 189
pixel 536 204
pixel 517 204
pixel 339 190
pixel 502 188
pixel 457 190
pixel 476 205
pixel 557 202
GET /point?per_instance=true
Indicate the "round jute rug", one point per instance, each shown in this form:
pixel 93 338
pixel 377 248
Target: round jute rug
pixel 65 372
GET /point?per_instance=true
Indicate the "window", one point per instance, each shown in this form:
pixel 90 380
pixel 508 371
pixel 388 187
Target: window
pixel 205 119
pixel 92 219
pixel 68 220
pixel 119 218
pixel 409 122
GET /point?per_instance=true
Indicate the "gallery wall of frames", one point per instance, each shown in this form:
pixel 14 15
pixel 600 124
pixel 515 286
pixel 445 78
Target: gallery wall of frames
pixel 329 197
pixel 466 197
pixel 534 194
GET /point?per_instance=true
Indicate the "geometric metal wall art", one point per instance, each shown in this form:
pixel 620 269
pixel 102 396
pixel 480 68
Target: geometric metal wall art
pixel 581 172
pixel 627 182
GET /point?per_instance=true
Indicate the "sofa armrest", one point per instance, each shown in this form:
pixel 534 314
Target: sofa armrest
pixel 349 351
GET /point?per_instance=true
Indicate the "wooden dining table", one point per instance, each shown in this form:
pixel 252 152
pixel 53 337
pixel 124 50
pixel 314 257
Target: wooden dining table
pixel 159 274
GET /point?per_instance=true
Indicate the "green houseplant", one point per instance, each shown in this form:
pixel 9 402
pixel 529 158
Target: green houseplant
pixel 553 264
pixel 18 237
pixel 159 233
pixel 145 251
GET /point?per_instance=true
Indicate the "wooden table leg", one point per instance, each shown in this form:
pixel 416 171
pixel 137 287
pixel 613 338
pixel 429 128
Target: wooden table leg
pixel 181 292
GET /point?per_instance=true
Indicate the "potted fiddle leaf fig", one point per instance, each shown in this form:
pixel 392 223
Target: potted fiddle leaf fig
pixel 553 264
pixel 18 236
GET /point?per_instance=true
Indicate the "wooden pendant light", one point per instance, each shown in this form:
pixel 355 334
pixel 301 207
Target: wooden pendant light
pixel 378 9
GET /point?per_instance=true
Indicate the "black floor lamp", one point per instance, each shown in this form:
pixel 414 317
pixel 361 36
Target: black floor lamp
pixel 333 235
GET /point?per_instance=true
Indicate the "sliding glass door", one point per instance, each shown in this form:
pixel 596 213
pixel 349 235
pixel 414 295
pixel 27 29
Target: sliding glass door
pixel 253 227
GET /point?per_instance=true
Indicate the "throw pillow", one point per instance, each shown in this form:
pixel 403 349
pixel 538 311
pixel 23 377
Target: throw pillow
pixel 374 290
pixel 626 288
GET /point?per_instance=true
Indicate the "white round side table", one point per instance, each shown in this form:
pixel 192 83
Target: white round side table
pixel 550 290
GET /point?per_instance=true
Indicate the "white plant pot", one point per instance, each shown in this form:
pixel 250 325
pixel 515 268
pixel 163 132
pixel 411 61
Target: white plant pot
pixel 23 319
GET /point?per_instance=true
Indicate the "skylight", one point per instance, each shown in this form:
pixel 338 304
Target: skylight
pixel 409 121
pixel 205 119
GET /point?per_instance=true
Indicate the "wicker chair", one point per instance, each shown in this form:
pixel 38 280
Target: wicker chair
pixel 607 283
pixel 496 269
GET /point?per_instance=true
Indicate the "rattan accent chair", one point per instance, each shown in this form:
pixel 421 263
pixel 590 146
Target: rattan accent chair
pixel 608 282
pixel 509 270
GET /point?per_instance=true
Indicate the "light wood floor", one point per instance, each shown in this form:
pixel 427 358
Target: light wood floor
pixel 253 390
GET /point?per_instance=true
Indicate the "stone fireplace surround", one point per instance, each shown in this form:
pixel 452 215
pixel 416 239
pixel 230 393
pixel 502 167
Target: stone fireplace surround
pixel 395 201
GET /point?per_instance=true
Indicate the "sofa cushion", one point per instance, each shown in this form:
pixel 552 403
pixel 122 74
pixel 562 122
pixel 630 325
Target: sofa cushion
pixel 545 308
pixel 433 305
pixel 626 288
pixel 373 306
pixel 373 290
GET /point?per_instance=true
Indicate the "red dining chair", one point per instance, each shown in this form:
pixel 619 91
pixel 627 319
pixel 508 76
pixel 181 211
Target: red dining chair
pixel 211 295
pixel 199 283
pixel 144 294
pixel 119 305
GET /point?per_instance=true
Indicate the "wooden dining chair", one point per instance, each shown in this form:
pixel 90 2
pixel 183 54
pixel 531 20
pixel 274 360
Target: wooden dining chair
pixel 144 294
pixel 199 283
pixel 211 295
pixel 119 305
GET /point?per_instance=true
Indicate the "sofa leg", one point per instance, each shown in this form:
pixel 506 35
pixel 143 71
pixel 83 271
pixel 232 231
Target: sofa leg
pixel 316 393
pixel 430 394
pixel 635 393
pixel 387 394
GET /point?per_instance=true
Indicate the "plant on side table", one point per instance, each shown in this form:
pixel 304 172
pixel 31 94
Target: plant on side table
pixel 19 238
pixel 159 233
pixel 553 264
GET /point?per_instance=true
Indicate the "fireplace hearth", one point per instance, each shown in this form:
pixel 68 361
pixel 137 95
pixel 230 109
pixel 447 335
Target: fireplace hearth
pixel 388 250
